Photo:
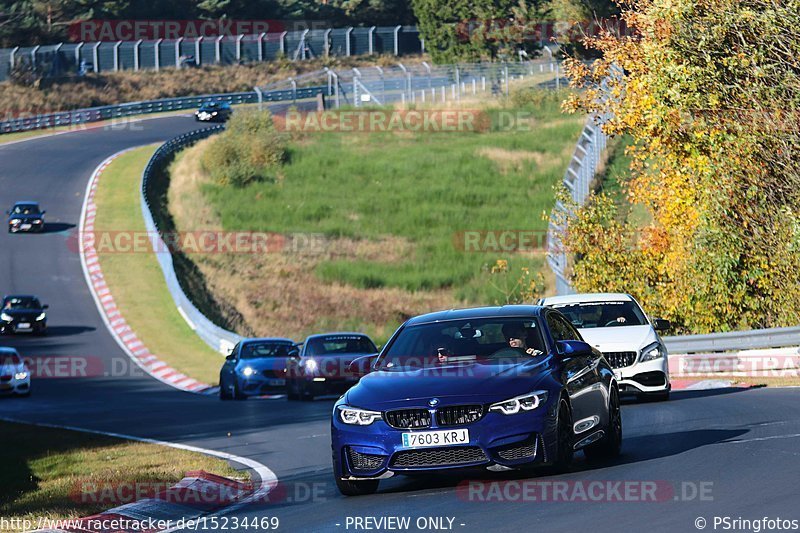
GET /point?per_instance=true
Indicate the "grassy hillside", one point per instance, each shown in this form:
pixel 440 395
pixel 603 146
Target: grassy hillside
pixel 391 208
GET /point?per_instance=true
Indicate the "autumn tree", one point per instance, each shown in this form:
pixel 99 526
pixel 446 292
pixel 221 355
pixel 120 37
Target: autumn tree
pixel 709 90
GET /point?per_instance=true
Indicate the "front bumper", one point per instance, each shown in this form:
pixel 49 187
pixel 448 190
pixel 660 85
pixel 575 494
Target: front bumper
pixel 15 386
pixel 26 227
pixel 17 326
pixel 257 385
pixel 647 377
pixel 497 442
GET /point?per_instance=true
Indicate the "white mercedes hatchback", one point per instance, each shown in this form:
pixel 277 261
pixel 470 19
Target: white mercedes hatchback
pixel 616 325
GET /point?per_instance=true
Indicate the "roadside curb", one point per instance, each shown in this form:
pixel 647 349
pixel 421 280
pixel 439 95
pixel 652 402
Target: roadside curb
pixel 192 494
pixel 115 322
pixel 194 482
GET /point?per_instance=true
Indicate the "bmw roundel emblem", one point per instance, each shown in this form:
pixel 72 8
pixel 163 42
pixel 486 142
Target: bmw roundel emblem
pixel 433 402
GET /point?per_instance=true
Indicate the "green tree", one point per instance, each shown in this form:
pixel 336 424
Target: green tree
pixel 710 92
pixel 482 29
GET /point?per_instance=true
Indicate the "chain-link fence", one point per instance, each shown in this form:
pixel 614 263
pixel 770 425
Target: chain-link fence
pixel 418 83
pixel 59 59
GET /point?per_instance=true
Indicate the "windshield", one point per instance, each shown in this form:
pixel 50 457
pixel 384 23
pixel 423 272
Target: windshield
pixel 507 338
pixel 9 359
pixel 603 314
pixel 25 210
pixel 21 303
pixel 340 344
pixel 257 350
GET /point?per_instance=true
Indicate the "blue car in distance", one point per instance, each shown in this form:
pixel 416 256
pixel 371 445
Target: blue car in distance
pixel 256 367
pixel 497 388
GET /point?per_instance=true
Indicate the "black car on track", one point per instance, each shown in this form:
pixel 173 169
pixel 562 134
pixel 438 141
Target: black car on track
pixel 213 112
pixel 23 314
pixel 25 216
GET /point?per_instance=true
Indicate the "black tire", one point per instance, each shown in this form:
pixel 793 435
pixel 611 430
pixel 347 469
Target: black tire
pixel 305 394
pixel 224 395
pixel 237 394
pixel 565 438
pixel 357 488
pixel 610 445
pixel 291 390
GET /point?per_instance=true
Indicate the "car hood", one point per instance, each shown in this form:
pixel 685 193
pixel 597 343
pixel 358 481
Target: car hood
pixel 10 370
pixel 451 385
pixel 26 217
pixel 619 338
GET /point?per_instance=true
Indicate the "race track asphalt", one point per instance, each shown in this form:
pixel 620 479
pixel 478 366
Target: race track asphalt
pixel 733 452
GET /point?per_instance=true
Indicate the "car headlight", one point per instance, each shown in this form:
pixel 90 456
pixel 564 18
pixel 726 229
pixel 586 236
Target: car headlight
pixel 7 318
pixel 213 113
pixel 20 375
pixel 310 365
pixel 15 221
pixel 247 371
pixel 652 352
pixel 42 316
pixel 37 221
pixel 526 402
pixel 357 417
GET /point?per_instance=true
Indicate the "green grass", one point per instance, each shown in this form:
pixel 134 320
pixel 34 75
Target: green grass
pixel 425 188
pixel 136 279
pixel 44 470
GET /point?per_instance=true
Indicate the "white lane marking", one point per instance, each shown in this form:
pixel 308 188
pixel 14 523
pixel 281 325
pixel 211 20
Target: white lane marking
pixel 759 439
pixel 267 479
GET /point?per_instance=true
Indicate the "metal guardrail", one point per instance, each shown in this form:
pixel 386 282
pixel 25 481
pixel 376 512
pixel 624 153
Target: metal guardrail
pixel 216 337
pixel 577 179
pixel 96 114
pixel 734 340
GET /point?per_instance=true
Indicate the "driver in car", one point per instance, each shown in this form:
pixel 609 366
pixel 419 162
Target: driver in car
pixel 516 335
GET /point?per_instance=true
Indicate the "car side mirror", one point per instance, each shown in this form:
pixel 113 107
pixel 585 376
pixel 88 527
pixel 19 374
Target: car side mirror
pixel 661 324
pixel 231 355
pixel 45 306
pixel 573 348
pixel 361 366
pixel 43 212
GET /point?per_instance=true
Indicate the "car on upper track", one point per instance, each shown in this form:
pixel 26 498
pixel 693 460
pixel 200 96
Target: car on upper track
pixel 25 217
pixel 497 388
pixel 213 112
pixel 615 324
pixel 256 367
pixel 322 366
pixel 23 314
pixel 15 378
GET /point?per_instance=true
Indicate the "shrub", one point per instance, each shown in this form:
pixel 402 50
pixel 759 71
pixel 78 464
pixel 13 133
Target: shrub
pixel 249 150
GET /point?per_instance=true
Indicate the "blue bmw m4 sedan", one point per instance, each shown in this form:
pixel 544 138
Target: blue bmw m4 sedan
pixel 495 388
